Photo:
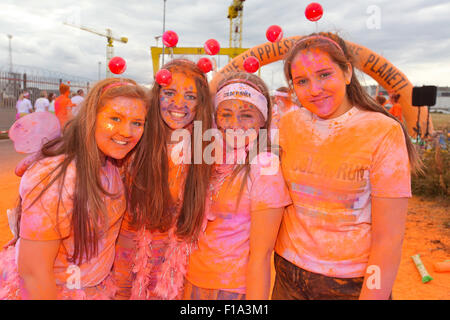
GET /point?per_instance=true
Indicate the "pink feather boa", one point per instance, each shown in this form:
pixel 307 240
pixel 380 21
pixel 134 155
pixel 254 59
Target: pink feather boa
pixel 170 278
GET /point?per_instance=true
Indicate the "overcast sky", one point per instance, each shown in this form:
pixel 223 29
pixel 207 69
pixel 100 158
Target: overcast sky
pixel 414 35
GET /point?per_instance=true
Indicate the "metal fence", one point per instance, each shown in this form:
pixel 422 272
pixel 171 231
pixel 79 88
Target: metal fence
pixel 12 84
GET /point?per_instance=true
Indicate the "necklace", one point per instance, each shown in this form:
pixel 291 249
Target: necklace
pixel 218 180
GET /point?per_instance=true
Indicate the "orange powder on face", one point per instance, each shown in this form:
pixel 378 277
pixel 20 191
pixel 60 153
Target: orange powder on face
pixel 119 126
pixel 320 84
pixel 178 100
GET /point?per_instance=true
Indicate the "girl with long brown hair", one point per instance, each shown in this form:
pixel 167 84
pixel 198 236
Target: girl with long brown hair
pixel 245 200
pixel 73 200
pixel 347 164
pixel 166 214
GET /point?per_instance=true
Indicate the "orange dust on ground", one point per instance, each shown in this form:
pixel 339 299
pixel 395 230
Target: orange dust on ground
pixel 427 234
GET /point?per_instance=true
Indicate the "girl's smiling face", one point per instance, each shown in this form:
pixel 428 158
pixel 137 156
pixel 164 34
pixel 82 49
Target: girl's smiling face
pixel 320 84
pixel 119 126
pixel 178 100
pixel 235 115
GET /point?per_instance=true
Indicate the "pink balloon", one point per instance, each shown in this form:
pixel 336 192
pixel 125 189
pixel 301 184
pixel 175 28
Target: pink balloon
pixel 117 65
pixel 30 132
pixel 212 47
pixel 163 77
pixel 170 38
pixel 205 65
pixel 274 33
pixel 313 11
pixel 251 64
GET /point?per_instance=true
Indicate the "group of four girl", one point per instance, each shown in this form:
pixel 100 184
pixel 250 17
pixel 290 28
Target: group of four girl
pixel 120 204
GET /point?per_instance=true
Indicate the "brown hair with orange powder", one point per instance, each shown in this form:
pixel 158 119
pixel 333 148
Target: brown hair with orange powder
pixel 77 143
pixel 341 55
pixel 152 206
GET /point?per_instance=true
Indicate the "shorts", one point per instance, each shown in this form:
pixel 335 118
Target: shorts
pixel 294 283
pixel 192 292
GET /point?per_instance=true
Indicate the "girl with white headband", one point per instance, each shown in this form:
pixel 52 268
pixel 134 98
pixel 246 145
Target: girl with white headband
pixel 245 201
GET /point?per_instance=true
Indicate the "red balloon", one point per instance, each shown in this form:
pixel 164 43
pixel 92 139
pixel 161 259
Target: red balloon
pixel 212 47
pixel 274 33
pixel 251 64
pixel 163 77
pixel 205 65
pixel 313 11
pixel 117 65
pixel 170 38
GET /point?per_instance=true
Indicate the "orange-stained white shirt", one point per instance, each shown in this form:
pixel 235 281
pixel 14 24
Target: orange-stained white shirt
pixel 41 221
pixel 221 259
pixel 332 169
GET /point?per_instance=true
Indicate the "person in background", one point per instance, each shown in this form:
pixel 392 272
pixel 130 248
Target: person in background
pixel 51 100
pixel 284 101
pixel 42 103
pixel 63 104
pixel 396 109
pixel 76 100
pixel 23 105
pixel 381 100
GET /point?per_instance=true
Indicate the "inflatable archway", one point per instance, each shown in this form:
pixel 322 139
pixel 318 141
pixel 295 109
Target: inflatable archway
pixel 374 65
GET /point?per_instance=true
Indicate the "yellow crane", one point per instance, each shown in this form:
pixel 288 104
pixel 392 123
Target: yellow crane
pixel 236 16
pixel 109 45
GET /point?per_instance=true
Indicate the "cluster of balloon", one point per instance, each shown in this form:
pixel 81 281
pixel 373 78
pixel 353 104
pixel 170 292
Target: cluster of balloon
pixel 274 33
pixel 163 77
pixel 251 64
pixel 313 11
pixel 212 47
pixel 117 65
pixel 205 65
pixel 170 38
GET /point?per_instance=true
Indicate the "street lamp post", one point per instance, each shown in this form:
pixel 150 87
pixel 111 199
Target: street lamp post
pixel 10 54
pixel 164 29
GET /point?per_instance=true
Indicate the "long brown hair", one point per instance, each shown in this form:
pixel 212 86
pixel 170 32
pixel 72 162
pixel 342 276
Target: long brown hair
pixel 263 139
pixel 78 143
pixel 355 92
pixel 153 205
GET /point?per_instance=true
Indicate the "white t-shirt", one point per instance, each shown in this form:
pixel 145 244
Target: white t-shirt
pixel 77 101
pixel 51 107
pixel 24 106
pixel 41 104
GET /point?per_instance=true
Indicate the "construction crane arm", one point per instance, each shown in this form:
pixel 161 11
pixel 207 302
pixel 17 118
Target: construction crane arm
pixel 122 39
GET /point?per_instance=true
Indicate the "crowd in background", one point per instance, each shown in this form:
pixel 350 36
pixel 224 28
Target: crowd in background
pixel 51 103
